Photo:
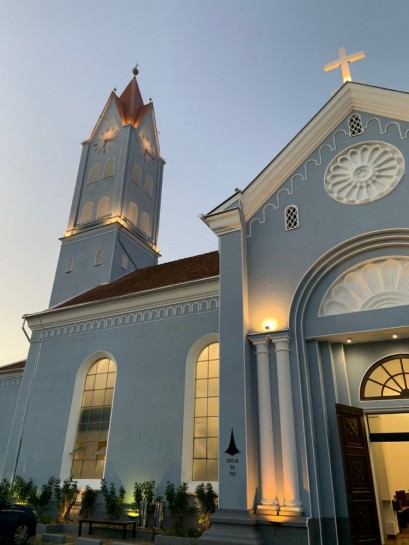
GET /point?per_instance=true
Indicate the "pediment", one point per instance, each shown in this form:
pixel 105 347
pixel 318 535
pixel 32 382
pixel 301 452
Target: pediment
pixel 351 97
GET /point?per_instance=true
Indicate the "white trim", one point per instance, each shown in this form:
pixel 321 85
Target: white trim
pixel 188 413
pixel 158 297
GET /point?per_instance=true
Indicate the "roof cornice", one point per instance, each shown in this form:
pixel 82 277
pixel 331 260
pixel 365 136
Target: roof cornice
pixel 188 291
pixel 351 96
pixel 224 222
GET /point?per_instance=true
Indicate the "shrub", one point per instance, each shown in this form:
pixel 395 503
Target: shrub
pixel 65 495
pixel 24 491
pixel 42 499
pixel 88 500
pixel 144 491
pixel 113 499
pixel 206 498
pixel 5 490
pixel 178 504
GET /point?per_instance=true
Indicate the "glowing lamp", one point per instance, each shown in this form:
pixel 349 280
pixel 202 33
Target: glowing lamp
pixel 269 324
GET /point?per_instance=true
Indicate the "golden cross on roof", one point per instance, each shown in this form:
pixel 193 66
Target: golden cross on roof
pixel 343 62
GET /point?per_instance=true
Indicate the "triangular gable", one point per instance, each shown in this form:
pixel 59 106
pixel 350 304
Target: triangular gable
pixel 351 96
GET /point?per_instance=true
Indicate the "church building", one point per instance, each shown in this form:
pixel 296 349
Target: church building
pixel 276 368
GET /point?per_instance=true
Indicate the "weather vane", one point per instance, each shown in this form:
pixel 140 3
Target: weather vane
pixel 135 70
pixel 343 63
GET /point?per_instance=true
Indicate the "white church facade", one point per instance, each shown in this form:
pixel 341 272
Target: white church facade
pixel 277 367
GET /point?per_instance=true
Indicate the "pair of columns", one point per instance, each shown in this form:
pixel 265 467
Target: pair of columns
pixel 291 500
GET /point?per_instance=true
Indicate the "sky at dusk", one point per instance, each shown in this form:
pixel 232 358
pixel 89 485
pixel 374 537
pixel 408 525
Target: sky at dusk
pixel 232 82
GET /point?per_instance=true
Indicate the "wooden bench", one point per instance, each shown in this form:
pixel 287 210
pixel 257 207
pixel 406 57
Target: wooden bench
pixel 95 522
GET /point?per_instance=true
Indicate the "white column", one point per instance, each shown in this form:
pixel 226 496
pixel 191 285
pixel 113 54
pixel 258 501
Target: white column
pixel 292 500
pixel 267 465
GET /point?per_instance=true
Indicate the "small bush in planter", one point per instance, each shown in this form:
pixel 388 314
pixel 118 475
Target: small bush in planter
pixel 5 491
pixel 178 505
pixel 144 492
pixel 206 498
pixel 23 491
pixel 113 499
pixel 40 500
pixel 88 500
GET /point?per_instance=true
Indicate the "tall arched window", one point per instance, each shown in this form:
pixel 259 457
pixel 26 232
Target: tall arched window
pixel 109 167
pixel 92 433
pixel 206 415
pixel 137 173
pixel 86 212
pixel 103 207
pixel 387 379
pixel 133 212
pixel 93 173
pixel 145 228
pixel 148 188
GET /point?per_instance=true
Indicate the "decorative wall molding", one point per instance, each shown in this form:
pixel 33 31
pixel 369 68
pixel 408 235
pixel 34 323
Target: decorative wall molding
pixel 302 174
pixel 364 173
pixel 14 381
pixel 376 284
pixel 131 318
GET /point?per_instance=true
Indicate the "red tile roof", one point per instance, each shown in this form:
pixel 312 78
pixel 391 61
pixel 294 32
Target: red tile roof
pixel 158 276
pixel 13 366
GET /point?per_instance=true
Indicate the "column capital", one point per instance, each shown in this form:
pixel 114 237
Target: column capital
pixel 262 345
pixel 281 344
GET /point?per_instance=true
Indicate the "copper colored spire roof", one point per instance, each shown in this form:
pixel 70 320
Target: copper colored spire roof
pixel 131 100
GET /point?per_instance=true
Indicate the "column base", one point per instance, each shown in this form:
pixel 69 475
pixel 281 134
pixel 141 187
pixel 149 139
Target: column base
pixel 268 509
pixel 231 527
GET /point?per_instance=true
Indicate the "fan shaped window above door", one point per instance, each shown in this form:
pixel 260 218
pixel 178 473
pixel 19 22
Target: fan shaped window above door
pixel 387 379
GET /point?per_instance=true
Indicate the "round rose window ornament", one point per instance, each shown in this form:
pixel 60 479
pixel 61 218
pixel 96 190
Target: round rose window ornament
pixel 364 173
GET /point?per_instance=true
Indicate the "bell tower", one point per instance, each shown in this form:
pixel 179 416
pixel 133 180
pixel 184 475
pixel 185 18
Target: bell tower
pixel 114 220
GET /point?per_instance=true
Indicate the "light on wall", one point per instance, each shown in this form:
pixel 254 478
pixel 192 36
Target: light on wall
pixel 269 324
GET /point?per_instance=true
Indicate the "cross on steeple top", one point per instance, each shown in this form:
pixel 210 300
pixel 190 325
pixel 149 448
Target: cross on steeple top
pixel 343 63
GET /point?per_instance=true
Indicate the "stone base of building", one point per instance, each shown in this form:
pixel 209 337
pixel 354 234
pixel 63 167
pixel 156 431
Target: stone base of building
pixel 230 527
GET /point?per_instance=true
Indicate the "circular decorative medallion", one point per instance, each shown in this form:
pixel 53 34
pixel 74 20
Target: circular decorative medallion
pixel 364 173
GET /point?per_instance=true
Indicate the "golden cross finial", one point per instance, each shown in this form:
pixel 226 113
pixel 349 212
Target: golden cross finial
pixel 343 62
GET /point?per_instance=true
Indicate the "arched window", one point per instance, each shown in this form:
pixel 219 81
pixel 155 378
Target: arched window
pixel 93 173
pixel 137 173
pixel 103 207
pixel 148 188
pixel 145 223
pixel 133 213
pixel 92 433
pixel 292 220
pixel 109 167
pixel 86 213
pixel 206 415
pixel 387 379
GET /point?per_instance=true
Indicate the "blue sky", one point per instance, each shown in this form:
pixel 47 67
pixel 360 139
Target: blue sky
pixel 232 82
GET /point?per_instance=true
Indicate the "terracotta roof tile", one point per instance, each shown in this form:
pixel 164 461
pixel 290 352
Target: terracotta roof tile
pixel 13 366
pixel 158 276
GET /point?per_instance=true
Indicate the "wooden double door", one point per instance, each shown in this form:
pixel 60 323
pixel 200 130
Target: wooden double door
pixel 363 514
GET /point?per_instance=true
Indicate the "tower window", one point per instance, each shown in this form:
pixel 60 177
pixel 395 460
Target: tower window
pixel 124 262
pixel 148 188
pixel 103 207
pixel 86 213
pixel 93 173
pixel 133 213
pixel 69 265
pixel 292 220
pixel 206 419
pixel 145 228
pixel 137 174
pixel 109 167
pixel 98 257
pixel 355 125
pixel 92 435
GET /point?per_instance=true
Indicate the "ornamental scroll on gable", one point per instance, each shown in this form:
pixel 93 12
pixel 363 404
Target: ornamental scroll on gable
pixel 364 173
pixel 372 285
